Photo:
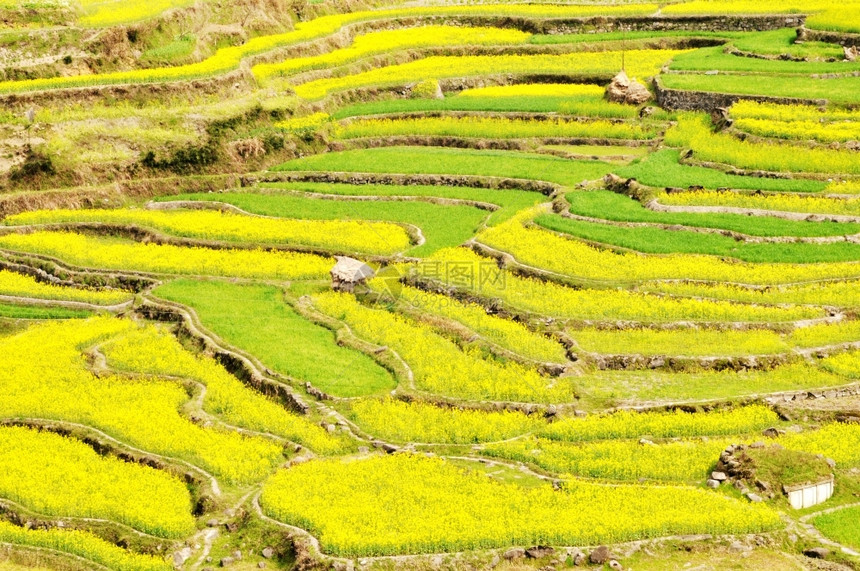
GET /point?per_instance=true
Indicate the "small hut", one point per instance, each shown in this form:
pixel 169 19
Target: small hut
pixel 348 272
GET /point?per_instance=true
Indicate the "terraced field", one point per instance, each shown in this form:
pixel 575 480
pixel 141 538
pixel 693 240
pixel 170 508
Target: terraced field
pixel 328 285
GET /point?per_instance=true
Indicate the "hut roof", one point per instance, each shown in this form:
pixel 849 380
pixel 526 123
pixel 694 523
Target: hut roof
pixel 351 270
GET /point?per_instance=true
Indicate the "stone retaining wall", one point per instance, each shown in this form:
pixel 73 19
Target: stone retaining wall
pixel 841 38
pixel 684 100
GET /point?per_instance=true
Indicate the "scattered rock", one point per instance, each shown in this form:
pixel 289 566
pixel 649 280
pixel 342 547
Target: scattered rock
pixel 436 561
pixel 738 546
pixel 226 561
pixel 851 53
pixel 755 498
pixel 831 462
pixel 713 484
pixel 757 445
pixel 624 90
pixel 268 552
pixel 261 565
pixel 181 556
pixel 817 553
pixel 646 442
pixel 237 555
pixel 770 432
pixel 514 553
pixel 647 111
pixel 363 449
pixel 613 564
pixel 494 562
pixel 579 559
pixel 719 476
pixel 539 551
pixel 600 555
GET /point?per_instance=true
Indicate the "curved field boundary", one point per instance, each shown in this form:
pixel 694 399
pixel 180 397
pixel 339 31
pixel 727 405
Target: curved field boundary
pixel 194 408
pixel 342 97
pixel 140 280
pixel 732 169
pixel 104 443
pixel 143 234
pixel 416 236
pixel 811 531
pixel 245 367
pixel 62 555
pixel 674 363
pixel 42 268
pixel 466 335
pixel 524 115
pixel 63 303
pixel 477 143
pixel 303 541
pixel 510 262
pixel 488 206
pixel 358 178
pixel 385 356
pixel 502 309
pixel 657 206
pixel 401 56
pixel 22 513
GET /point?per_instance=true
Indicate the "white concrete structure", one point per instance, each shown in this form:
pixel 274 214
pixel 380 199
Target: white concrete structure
pixel 810 494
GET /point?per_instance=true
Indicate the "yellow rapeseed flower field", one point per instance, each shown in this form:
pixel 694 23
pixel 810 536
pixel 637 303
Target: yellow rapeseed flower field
pixel 509 334
pixel 626 424
pixel 492 128
pixel 836 293
pixel 20 285
pixel 779 202
pixel 348 235
pixel 392 40
pixel 463 268
pixel 418 422
pixel 571 257
pixel 81 544
pixel 625 460
pixel 143 413
pixel 639 63
pixel 406 503
pixel 117 254
pixel 438 364
pixel 156 352
pixel 59 476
